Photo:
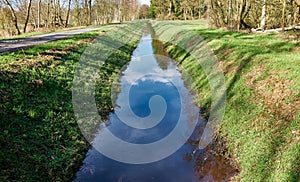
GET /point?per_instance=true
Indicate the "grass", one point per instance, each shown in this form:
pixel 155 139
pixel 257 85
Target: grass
pixel 39 132
pixel 40 138
pixel 261 122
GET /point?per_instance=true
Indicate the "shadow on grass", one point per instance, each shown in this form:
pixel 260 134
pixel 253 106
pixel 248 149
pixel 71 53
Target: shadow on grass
pixel 238 51
pixel 39 131
pixel 40 137
pixel 241 49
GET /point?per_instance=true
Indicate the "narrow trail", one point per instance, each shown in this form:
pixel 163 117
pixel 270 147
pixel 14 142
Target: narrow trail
pixel 12 45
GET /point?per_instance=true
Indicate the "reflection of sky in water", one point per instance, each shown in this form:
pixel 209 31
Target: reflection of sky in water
pixel 142 80
pixel 144 62
pixel 139 97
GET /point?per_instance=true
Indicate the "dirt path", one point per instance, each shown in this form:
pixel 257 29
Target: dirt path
pixel 23 43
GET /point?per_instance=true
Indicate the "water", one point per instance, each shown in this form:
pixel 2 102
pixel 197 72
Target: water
pixel 152 89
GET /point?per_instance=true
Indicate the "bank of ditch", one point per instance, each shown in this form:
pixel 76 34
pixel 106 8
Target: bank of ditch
pixel 261 123
pixel 40 139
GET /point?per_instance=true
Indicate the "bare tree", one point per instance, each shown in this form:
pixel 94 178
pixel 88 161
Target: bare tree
pixel 39 13
pixel 89 12
pixel 283 14
pixel 77 13
pixel 68 13
pixel 27 15
pixel 263 15
pixel 240 14
pixel 296 12
pixel 48 13
pixel 13 13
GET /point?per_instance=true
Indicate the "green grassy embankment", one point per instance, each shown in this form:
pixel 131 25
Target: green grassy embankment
pixel 40 139
pixel 261 124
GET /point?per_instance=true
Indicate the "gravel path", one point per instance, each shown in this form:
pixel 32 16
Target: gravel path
pixel 23 43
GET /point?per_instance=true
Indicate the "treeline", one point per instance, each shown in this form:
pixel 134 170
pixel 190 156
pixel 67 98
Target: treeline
pixel 233 14
pixel 19 16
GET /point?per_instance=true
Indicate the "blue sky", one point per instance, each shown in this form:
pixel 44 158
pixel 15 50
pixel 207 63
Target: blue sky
pixel 145 2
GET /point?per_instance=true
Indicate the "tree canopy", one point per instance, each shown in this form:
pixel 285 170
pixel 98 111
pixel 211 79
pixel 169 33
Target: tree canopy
pixel 233 14
pixel 34 14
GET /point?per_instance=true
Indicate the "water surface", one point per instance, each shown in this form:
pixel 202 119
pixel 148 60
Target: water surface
pixel 146 77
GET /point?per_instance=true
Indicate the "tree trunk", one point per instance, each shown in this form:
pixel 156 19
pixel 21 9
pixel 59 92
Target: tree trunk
pixel 89 12
pixel 228 21
pixel 296 13
pixel 48 14
pixel 39 13
pixel 13 13
pixel 240 14
pixel 174 4
pixel 192 13
pixel 54 13
pixel 210 13
pixel 119 11
pixel 77 12
pixel 68 13
pixel 27 16
pixel 34 20
pixel 170 8
pixel 263 16
pixel 59 14
pixel 283 15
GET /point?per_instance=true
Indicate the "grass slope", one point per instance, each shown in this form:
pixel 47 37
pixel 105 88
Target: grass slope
pixel 40 139
pixel 261 122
